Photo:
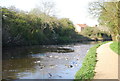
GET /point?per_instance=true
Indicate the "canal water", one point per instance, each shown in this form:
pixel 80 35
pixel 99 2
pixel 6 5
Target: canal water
pixel 43 62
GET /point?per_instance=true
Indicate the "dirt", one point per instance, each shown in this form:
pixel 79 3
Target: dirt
pixel 107 65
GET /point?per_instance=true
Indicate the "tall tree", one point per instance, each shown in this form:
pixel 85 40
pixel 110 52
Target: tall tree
pixel 107 13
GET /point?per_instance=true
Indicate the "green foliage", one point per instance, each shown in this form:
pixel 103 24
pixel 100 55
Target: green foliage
pixel 115 46
pixel 90 31
pixel 94 32
pixel 88 66
pixel 108 15
pixel 35 27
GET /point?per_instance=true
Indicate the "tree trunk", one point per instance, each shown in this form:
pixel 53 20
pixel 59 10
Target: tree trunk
pixel 116 37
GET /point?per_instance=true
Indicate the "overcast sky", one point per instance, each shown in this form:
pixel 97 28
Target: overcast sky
pixel 75 10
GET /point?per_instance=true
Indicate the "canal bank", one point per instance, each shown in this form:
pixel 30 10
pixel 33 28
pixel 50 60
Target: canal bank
pixel 89 63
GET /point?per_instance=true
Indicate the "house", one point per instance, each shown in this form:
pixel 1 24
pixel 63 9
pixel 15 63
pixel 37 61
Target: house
pixel 80 27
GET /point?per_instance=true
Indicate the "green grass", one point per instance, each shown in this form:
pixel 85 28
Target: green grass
pixel 115 46
pixel 89 63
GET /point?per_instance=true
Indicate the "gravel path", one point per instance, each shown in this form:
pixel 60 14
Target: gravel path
pixel 107 65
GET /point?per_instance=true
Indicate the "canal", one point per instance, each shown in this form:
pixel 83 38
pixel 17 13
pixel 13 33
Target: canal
pixel 44 61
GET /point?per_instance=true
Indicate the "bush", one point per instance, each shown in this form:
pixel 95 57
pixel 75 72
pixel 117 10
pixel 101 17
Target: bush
pixel 34 28
pixel 94 32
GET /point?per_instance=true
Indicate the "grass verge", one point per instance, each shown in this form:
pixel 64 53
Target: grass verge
pixel 89 63
pixel 115 46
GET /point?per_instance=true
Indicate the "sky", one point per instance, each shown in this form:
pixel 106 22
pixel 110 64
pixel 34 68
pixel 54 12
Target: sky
pixel 75 10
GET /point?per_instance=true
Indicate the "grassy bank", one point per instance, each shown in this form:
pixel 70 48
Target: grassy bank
pixel 88 66
pixel 115 46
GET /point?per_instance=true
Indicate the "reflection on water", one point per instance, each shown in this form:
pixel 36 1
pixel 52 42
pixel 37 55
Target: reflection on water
pixel 43 62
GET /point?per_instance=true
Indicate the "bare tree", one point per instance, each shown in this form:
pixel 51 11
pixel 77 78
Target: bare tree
pixel 47 7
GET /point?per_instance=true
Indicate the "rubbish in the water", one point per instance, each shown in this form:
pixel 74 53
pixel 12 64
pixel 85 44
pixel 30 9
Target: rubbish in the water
pixel 87 50
pixel 56 56
pixel 60 76
pixel 71 66
pixel 52 66
pixel 66 58
pixel 76 64
pixel 37 62
pixel 41 68
pixel 50 74
pixel 77 58
pixel 51 56
pixel 41 65
pixel 66 65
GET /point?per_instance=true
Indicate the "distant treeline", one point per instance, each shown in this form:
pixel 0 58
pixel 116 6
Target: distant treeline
pixel 31 28
pixel 96 33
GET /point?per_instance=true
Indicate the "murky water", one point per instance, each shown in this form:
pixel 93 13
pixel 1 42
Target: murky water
pixel 43 62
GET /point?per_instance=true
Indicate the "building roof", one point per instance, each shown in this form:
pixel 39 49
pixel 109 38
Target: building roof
pixel 82 25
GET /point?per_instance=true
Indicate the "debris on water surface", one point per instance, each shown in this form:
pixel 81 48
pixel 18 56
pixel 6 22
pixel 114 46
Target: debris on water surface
pixel 41 65
pixel 63 50
pixel 66 58
pixel 76 64
pixel 51 56
pixel 41 68
pixel 71 66
pixel 66 65
pixel 37 62
pixel 50 74
pixel 52 66
pixel 60 76
pixel 56 56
